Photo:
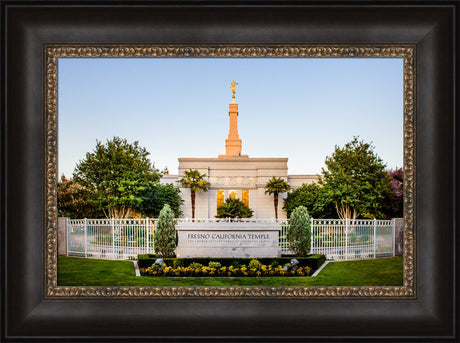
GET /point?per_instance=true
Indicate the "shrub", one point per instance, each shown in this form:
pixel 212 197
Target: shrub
pixel 195 265
pixel 156 267
pixel 255 264
pixel 274 264
pixel 232 208
pixel 214 265
pixel 299 231
pixel 236 264
pixel 177 263
pixel 165 238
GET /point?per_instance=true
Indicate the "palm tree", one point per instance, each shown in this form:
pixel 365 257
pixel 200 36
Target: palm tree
pixel 275 186
pixel 195 181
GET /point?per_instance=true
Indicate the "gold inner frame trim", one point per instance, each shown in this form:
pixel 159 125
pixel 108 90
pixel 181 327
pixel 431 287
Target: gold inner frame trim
pixel 54 52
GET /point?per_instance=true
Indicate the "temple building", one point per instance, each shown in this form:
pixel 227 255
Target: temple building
pixel 235 175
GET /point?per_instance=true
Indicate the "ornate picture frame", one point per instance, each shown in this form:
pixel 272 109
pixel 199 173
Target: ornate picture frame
pixel 35 307
pixel 407 53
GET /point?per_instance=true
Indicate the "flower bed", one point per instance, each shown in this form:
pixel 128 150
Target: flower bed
pixel 230 271
pixel 312 261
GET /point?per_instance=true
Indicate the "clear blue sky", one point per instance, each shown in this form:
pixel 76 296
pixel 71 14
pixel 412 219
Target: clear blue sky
pixel 298 108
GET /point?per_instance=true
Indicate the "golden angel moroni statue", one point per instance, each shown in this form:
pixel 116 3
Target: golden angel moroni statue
pixel 232 85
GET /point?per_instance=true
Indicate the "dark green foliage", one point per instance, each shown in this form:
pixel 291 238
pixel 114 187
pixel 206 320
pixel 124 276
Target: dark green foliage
pixel 311 196
pixel 354 185
pixel 312 261
pixel 116 174
pixel 74 201
pixel 356 180
pixel 298 232
pixel 156 196
pixel 155 266
pixel 274 264
pixel 232 208
pixel 165 238
pixel 178 263
pixel 236 264
pixel 315 261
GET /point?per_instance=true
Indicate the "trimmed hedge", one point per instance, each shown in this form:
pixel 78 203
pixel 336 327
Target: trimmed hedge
pixel 312 261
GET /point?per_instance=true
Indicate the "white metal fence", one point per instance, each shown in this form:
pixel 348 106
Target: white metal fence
pixel 124 239
pixel 347 239
pixel 116 239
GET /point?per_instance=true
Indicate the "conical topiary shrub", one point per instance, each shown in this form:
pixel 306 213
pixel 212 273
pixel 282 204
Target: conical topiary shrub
pixel 298 232
pixel 165 238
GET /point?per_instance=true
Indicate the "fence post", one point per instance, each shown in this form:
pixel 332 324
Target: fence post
pixel 346 238
pixel 148 232
pixel 375 233
pixel 113 238
pixel 311 237
pixel 393 236
pixel 67 235
pixel 86 242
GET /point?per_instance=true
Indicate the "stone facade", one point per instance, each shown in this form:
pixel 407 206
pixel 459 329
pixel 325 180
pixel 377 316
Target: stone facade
pixel 236 175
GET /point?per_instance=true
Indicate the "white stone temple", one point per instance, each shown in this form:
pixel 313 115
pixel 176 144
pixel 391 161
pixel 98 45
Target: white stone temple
pixel 235 175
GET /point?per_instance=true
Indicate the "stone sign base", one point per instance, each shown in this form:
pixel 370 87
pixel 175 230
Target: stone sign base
pixel 238 239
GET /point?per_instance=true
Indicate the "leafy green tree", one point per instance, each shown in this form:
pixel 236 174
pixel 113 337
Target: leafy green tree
pixel 195 181
pixel 156 196
pixel 298 232
pixel 117 173
pixel 275 186
pixel 356 180
pixel 73 200
pixel 165 236
pixel 234 207
pixel 312 197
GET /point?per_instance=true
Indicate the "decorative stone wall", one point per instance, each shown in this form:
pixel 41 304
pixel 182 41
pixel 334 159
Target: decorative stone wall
pixel 62 236
pixel 399 236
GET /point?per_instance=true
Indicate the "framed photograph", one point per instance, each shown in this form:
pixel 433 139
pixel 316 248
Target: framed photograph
pixel 43 43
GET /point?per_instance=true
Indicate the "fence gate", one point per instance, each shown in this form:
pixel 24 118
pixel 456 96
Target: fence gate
pixel 115 239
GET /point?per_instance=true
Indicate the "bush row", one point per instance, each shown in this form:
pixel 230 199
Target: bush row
pixel 242 271
pixel 312 261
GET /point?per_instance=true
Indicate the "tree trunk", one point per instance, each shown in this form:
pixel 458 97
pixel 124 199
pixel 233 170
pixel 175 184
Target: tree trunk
pixel 192 194
pixel 275 197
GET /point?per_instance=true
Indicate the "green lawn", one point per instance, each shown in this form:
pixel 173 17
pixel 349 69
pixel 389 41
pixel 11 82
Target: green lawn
pixel 74 271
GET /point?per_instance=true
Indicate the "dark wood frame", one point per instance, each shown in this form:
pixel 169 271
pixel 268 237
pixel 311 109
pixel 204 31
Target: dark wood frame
pixel 27 27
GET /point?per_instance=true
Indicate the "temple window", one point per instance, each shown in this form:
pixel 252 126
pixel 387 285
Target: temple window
pixel 245 197
pixel 220 197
